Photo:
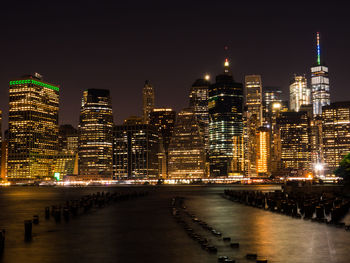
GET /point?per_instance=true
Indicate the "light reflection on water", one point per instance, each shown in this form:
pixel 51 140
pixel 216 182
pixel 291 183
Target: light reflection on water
pixel 143 230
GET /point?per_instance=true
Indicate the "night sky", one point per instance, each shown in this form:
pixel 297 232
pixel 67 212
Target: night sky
pixel 118 45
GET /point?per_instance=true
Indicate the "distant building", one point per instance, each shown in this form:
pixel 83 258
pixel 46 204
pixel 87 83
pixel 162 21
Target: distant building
pixel 253 121
pixel 275 148
pixel 271 95
pixel 4 155
pixel 263 152
pixel 187 147
pixel 253 96
pixel 135 151
pixel 148 100
pixel 335 133
pixel 96 135
pixel 199 104
pixel 66 161
pixel 300 94
pixel 225 125
pixel 133 120
pixel 164 120
pixel 67 138
pixel 33 128
pixel 319 83
pixel 294 135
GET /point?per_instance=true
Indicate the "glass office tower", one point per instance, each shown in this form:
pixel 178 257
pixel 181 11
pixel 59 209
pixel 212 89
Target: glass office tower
pixel 96 135
pixel 319 83
pixel 33 128
pixel 225 106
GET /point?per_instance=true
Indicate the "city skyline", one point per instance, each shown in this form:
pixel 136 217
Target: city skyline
pixel 177 131
pixel 122 61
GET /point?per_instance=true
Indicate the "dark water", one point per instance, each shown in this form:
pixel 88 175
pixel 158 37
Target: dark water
pixel 142 230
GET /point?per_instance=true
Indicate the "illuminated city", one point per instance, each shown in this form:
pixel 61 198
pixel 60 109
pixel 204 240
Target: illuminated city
pixel 180 132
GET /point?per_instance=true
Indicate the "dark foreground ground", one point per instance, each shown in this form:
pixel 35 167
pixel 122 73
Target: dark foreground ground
pixel 143 230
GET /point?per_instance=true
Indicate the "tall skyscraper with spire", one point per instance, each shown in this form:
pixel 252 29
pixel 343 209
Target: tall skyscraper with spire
pixel 319 83
pixel 148 100
pixel 225 105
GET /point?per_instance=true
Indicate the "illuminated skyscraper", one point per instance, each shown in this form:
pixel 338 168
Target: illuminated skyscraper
pixel 253 121
pixel 225 125
pixel 270 95
pixel 253 96
pixel 187 148
pixel 300 94
pixel 135 151
pixel 148 100
pixel 335 133
pixel 33 127
pixel 164 120
pixel 96 135
pixel 199 104
pixel 275 153
pixel 263 151
pixel 319 83
pixel 294 134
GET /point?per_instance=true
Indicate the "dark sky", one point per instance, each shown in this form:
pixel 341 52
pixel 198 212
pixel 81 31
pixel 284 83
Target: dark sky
pixel 118 45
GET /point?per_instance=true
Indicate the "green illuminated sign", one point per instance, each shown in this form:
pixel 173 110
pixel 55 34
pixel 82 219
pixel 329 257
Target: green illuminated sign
pixel 35 82
pixel 57 176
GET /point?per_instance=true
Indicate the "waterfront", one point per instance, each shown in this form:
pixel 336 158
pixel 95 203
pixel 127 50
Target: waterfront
pixel 143 230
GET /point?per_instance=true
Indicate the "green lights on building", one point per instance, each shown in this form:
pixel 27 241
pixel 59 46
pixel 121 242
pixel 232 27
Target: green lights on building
pixel 35 82
pixel 57 176
pixel 33 128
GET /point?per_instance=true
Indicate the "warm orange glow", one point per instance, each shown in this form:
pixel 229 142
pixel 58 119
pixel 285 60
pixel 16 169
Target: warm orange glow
pixel 263 151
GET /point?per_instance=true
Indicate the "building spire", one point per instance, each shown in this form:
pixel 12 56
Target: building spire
pixel 318 50
pixel 226 66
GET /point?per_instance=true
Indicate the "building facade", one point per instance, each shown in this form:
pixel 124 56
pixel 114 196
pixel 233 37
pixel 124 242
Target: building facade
pixel 294 136
pixel 225 105
pixel 335 134
pixel 148 100
pixel 319 83
pixel 199 104
pixel 66 161
pixel 271 95
pixel 135 151
pixel 263 152
pixel 300 94
pixel 164 120
pixel 253 121
pixel 33 128
pixel 187 147
pixel 96 135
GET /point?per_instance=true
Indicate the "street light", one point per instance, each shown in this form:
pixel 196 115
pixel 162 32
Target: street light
pixel 319 167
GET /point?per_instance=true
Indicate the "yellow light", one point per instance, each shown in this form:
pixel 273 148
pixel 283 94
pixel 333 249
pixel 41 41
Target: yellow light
pixel 227 63
pixel 276 105
pixel 318 167
pixel 207 77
